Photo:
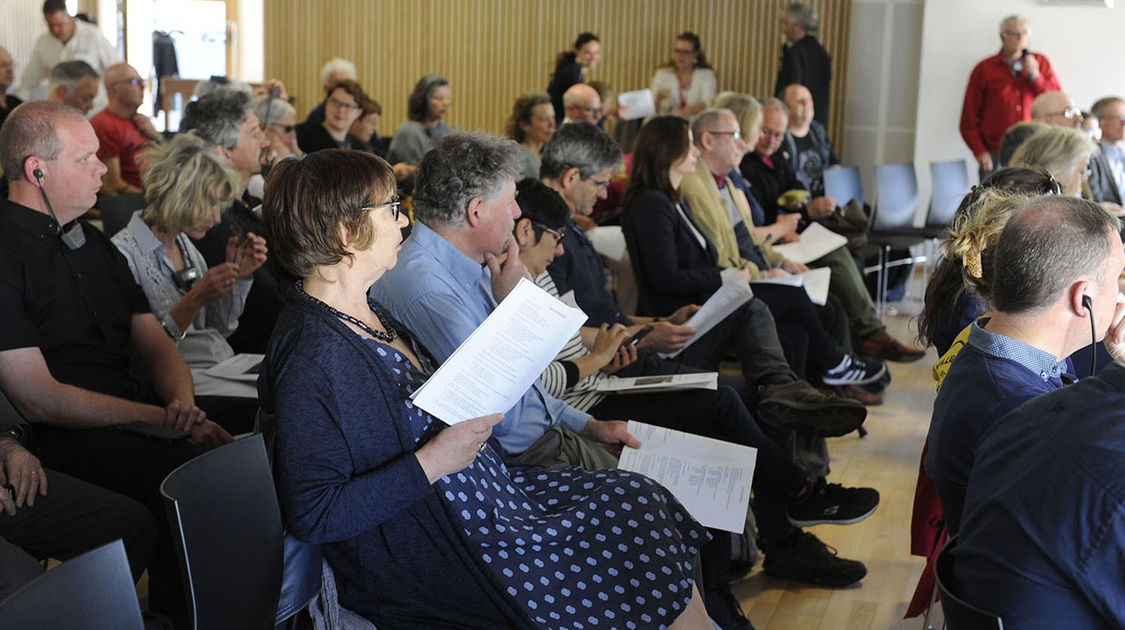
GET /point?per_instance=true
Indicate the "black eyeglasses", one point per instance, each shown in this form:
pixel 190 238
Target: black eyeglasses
pixel 338 103
pixel 395 206
pixel 559 233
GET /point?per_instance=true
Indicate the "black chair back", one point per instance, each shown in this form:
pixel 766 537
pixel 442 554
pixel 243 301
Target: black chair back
pixel 959 614
pixel 950 183
pixel 225 519
pixel 897 197
pixel 843 184
pixel 117 210
pixel 93 590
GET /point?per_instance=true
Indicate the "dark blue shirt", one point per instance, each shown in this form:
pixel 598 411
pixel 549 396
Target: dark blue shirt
pixel 580 269
pixel 992 375
pixel 1041 541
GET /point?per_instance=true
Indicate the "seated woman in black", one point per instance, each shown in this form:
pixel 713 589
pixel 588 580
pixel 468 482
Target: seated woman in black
pixel 679 265
pixel 423 523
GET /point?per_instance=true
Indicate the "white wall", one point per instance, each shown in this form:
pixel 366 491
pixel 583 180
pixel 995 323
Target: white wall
pixel 881 104
pixel 1084 44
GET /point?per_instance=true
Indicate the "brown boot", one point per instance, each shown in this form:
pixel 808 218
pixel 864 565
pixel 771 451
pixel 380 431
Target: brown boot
pixel 881 345
pixel 802 407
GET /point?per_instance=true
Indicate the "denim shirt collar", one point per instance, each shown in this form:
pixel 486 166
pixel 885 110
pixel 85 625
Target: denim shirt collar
pixel 1038 361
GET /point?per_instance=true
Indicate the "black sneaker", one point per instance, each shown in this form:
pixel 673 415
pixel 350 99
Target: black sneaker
pixel 807 559
pixel 722 607
pixel 831 503
pixel 853 371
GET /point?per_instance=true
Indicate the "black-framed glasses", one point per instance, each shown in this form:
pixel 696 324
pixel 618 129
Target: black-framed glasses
pixel 773 134
pixel 394 205
pixel 559 233
pixel 734 135
pixel 338 103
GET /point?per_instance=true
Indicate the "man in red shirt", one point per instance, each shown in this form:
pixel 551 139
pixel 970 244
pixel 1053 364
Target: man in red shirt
pixel 123 134
pixel 1000 92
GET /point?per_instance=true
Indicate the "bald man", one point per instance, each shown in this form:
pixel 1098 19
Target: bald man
pixel 8 102
pixel 806 142
pixel 1056 108
pixel 123 134
pixel 582 103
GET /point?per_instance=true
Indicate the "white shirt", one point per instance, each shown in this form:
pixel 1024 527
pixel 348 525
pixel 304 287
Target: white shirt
pixel 88 44
pixel 701 90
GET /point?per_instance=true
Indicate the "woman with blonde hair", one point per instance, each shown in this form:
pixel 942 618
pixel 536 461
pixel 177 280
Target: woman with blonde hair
pixel 1065 153
pixel 187 186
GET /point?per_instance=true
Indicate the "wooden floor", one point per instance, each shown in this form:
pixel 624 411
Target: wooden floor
pixel 887 460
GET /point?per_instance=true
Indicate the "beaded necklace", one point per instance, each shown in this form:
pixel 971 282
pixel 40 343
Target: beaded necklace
pixel 388 336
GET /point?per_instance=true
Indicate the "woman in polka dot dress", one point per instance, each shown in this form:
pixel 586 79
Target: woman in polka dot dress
pixel 423 524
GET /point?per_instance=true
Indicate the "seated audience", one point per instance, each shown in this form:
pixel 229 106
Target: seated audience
pixel 343 107
pixel 74 83
pixel 428 105
pixel 123 133
pixel 1107 167
pixel 366 128
pixel 570 69
pixel 332 72
pixel 8 102
pixel 679 265
pixel 82 355
pixel 1014 137
pixel 576 372
pixel 577 163
pixel 186 185
pixel 225 120
pixel 1040 315
pixel 807 146
pixel 278 120
pixel 1040 540
pixel 425 524
pixel 531 124
pixel 1065 153
pixel 685 85
pixel 718 195
pixel 582 102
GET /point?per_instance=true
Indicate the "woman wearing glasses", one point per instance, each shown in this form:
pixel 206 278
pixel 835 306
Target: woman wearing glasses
pixel 342 107
pixel 279 122
pixel 424 524
pixel 428 105
pixel 685 85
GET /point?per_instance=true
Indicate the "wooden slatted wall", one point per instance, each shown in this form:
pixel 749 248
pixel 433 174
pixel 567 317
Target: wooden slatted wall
pixel 493 50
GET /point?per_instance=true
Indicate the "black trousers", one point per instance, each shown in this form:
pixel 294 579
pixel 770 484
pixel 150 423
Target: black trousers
pixel 73 518
pixel 133 465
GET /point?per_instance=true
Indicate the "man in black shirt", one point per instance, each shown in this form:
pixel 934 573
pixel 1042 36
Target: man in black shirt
pixel 74 323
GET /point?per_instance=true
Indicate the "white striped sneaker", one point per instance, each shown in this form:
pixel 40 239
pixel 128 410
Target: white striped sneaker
pixel 854 371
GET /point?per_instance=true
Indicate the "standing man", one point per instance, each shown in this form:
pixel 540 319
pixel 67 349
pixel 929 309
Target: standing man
pixel 67 39
pixel 1107 167
pixel 803 59
pixel 1001 89
pixel 123 134
pixel 8 102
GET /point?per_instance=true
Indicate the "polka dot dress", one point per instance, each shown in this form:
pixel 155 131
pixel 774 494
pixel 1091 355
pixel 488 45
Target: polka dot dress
pixel 574 548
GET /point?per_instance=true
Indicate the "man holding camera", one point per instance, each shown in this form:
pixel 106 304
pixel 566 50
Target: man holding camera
pixel 1000 92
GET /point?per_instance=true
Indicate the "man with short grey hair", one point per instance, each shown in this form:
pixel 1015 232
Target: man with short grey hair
pixel 451 274
pixel 74 83
pixel 1107 167
pixel 1000 91
pixel 803 59
pixel 225 120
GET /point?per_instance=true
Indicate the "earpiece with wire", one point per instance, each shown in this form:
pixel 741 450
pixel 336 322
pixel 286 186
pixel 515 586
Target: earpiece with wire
pixel 73 236
pixel 1088 304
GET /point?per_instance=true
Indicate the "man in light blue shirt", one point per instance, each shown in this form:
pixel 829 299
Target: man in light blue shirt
pixel 449 278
